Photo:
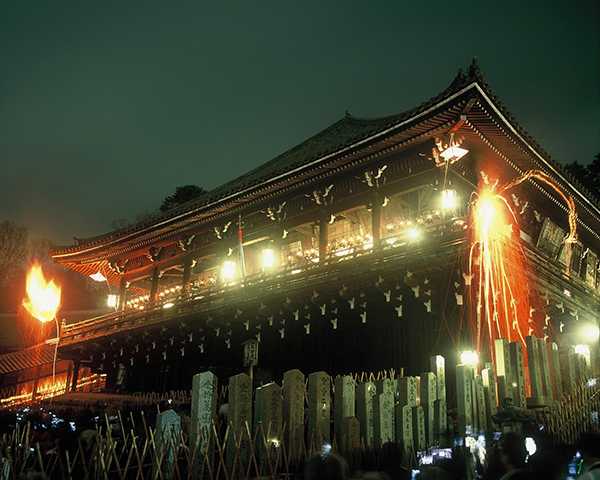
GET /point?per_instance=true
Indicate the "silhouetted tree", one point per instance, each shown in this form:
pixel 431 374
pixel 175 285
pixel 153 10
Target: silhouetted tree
pixel 13 250
pixel 123 223
pixel 587 175
pixel 594 175
pixel 181 195
pixel 119 224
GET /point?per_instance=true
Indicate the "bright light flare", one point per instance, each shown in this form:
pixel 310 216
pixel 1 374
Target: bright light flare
pixel 43 297
pixel 491 219
pixel 582 350
pixel 469 357
pixel 413 234
pixel 588 332
pixel 229 271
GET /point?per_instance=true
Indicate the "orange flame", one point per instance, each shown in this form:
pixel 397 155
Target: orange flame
pixel 44 297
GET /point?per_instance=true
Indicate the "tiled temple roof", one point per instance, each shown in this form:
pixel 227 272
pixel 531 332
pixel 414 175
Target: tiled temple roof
pixel 342 134
pixel 29 358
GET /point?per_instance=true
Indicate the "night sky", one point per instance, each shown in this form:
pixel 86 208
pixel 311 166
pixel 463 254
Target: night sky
pixel 107 106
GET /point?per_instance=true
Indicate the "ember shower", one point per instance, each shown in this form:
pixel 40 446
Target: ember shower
pixel 505 298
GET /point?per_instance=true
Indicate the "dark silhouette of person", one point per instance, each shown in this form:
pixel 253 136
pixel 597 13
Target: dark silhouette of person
pixel 326 465
pixel 391 462
pixel 513 457
pixel 431 472
pixel 589 447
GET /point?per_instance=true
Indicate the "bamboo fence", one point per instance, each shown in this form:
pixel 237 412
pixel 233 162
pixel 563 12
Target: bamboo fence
pixel 136 453
pixel 133 456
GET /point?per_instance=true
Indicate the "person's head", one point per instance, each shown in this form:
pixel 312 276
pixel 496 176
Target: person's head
pixel 391 456
pixel 431 472
pixel 326 466
pixel 374 476
pixel 589 447
pixel 513 452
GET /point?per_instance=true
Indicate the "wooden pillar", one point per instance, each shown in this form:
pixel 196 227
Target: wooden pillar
pixel 376 220
pixel 122 293
pixel 154 287
pixel 323 236
pixel 187 274
pixel 76 365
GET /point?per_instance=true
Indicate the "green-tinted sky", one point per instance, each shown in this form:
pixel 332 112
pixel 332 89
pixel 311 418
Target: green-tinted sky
pixel 107 106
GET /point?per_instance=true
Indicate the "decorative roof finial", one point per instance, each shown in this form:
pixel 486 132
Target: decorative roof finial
pixel 474 70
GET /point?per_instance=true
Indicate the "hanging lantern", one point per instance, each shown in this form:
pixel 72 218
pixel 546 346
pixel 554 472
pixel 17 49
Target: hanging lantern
pixel 449 202
pixel 453 153
pixel 112 300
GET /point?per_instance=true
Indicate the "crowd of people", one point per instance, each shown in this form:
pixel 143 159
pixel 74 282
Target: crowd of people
pixel 67 426
pixel 509 457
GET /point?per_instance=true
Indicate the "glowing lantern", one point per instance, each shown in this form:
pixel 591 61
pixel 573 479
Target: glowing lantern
pixel 98 277
pixel 268 258
pixel 228 271
pixel 453 153
pixel 449 202
pixel 112 300
pixel 43 297
pixel 469 357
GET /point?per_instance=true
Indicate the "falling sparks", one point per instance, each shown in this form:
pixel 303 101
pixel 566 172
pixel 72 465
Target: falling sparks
pixel 498 272
pixel 503 298
pixel 43 297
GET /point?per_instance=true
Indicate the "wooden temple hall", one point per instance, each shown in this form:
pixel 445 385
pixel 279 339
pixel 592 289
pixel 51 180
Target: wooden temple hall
pixel 357 250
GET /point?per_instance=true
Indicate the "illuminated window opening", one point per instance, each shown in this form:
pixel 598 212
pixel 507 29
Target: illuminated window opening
pixel 351 232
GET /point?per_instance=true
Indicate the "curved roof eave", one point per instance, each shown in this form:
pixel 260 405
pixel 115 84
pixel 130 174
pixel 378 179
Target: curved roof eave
pixel 277 171
pixel 180 214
